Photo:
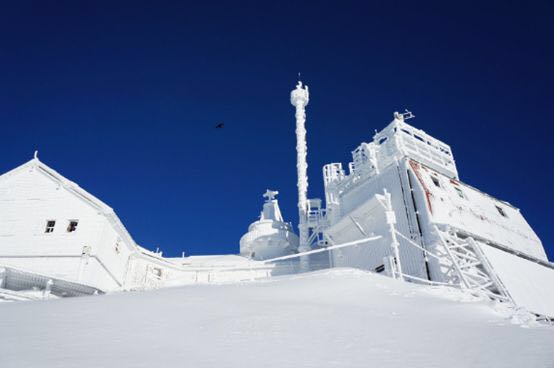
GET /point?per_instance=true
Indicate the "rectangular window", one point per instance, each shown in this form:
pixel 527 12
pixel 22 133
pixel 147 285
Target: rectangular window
pixel 72 226
pixel 501 211
pixel 460 193
pixel 436 181
pixel 50 224
pixel 380 268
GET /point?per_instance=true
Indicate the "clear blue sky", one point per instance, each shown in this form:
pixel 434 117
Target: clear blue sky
pixel 123 99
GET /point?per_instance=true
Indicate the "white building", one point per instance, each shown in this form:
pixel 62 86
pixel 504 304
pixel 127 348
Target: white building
pixel 404 186
pixel 53 230
pixel 399 208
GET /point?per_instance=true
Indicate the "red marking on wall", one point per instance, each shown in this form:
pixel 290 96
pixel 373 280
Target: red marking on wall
pixel 415 167
pixel 454 182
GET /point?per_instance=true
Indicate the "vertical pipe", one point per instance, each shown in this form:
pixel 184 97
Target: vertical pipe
pixel 391 220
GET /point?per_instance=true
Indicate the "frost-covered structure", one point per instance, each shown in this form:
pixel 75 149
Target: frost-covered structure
pixel 57 237
pixel 399 208
pixel 270 236
pixel 443 230
pixel 299 98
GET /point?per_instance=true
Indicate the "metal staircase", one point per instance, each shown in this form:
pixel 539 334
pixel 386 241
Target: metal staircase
pixel 316 223
pixel 465 264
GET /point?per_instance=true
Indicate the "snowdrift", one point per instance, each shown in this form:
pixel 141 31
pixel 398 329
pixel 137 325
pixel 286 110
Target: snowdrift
pixel 334 318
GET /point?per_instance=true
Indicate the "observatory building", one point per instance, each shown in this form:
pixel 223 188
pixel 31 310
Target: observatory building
pixel 269 237
pixel 57 237
pixel 399 208
pixel 404 185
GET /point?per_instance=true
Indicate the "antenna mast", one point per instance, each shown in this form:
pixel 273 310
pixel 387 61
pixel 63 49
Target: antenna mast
pixel 299 98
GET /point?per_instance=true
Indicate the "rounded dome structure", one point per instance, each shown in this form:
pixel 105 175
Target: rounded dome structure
pixel 270 236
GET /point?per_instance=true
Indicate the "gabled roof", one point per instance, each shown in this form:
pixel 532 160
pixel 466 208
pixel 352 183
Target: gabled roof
pixel 80 193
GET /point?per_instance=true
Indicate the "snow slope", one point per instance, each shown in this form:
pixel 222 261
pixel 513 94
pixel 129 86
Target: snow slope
pixel 337 318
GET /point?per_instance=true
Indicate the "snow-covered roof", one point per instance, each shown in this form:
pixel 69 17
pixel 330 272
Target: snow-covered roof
pixel 79 193
pixel 106 211
pixel 480 215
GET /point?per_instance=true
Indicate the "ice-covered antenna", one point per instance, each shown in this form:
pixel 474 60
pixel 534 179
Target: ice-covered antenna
pixel 408 115
pixel 299 98
pixel 403 116
pixel 270 194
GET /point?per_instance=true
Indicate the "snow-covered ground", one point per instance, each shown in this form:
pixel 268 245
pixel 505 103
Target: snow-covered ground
pixel 337 318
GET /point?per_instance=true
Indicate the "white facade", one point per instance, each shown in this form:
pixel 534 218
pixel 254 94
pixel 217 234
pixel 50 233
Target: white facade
pixel 399 208
pixel 51 227
pixel 447 231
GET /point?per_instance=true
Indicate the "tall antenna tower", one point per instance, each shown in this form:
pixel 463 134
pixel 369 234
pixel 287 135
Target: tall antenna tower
pixel 299 98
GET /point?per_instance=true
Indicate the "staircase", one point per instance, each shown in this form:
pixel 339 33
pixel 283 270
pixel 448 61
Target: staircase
pixel 466 265
pixel 316 223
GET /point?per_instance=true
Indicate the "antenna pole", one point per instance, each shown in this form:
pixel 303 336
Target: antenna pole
pixel 299 98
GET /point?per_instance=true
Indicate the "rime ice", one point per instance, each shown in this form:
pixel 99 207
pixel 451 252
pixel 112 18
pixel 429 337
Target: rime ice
pixel 399 209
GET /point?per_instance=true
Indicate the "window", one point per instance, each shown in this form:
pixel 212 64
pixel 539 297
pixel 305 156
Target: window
pixel 460 193
pixel 380 268
pixel 501 211
pixel 72 226
pixel 50 226
pixel 436 181
pixel 157 272
pixel 117 247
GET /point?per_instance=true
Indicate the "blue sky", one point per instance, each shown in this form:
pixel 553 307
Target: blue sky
pixel 123 99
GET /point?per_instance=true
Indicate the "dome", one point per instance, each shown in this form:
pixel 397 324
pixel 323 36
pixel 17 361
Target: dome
pixel 270 236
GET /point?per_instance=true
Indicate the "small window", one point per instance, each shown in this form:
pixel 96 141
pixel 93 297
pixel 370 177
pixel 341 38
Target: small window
pixel 50 224
pixel 117 247
pixel 436 181
pixel 380 268
pixel 157 272
pixel 72 226
pixel 501 211
pixel 460 193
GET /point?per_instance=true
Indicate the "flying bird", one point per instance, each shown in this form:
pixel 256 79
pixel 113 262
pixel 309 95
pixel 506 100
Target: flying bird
pixel 220 126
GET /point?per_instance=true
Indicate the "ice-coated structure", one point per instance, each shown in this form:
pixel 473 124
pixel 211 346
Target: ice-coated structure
pixel 404 186
pixel 270 236
pixel 56 236
pixel 399 208
pixel 299 98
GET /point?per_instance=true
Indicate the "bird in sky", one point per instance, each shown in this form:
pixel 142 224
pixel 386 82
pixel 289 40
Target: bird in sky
pixel 220 126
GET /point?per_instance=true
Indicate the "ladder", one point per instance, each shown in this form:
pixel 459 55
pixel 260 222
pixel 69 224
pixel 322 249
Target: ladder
pixel 316 223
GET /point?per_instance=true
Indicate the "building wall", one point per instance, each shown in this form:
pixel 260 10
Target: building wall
pixel 359 203
pixel 458 205
pixel 370 216
pixel 422 198
pixel 147 272
pixel 99 252
pixel 28 199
